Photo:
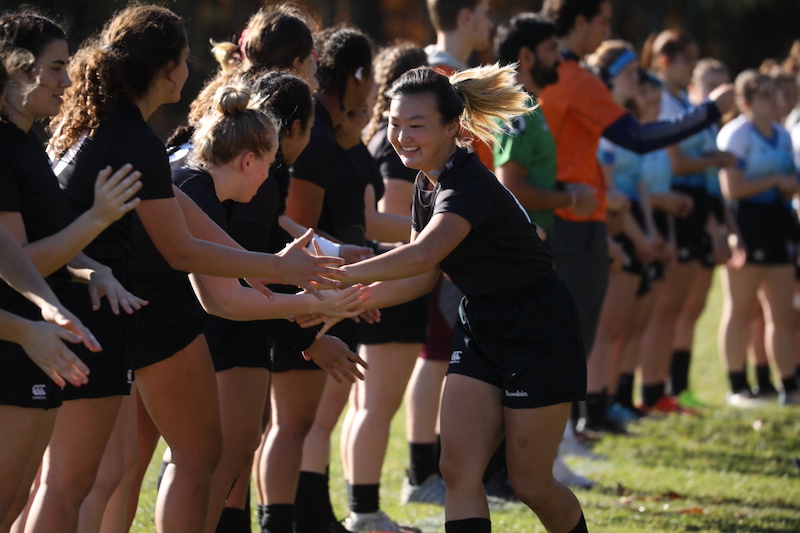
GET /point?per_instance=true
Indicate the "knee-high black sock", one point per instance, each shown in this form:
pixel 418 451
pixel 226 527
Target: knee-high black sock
pixel 738 381
pixel 652 393
pixel 468 525
pixel 364 498
pixel 310 487
pixel 230 521
pixel 580 527
pixel 764 378
pixel 596 408
pixel 679 371
pixel 421 464
pixel 625 390
pixel 789 384
pixel 277 518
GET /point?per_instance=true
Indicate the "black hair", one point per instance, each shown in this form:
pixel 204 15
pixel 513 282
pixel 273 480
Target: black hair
pixel 341 52
pixel 526 29
pixel 565 12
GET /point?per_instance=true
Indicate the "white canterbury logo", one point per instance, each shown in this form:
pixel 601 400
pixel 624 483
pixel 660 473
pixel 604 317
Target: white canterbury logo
pixel 456 357
pixel 39 391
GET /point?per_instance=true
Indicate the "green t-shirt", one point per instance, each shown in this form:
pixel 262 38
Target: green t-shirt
pixel 530 144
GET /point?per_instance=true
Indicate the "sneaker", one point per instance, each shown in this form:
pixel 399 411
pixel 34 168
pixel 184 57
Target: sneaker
pixel 688 400
pixel 620 415
pixel 572 446
pixel 767 393
pixel 498 486
pixel 666 405
pixel 789 398
pixel 377 522
pixel 745 400
pixel 566 476
pixel 430 491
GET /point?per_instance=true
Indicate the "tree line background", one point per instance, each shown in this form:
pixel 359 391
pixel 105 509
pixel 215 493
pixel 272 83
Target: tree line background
pixel 741 33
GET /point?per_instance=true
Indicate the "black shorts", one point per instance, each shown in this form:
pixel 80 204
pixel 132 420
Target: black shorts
pixel 111 373
pixel 166 325
pixel 527 343
pixel 285 357
pixel 22 383
pixel 716 206
pixel 407 323
pixel 692 241
pixel 237 344
pixel 631 264
pixel 768 233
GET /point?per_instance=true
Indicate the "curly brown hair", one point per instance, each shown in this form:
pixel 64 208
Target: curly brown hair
pixel 116 66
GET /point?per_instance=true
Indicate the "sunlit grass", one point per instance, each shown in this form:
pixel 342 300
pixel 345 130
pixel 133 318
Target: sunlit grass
pixel 724 471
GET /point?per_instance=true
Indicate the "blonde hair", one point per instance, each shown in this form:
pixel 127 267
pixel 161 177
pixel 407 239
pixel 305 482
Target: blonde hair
pixel 235 124
pixel 483 99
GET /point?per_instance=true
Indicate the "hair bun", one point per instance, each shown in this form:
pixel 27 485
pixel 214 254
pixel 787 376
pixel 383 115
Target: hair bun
pixel 232 100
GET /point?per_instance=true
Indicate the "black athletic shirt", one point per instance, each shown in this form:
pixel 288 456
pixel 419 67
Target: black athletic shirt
pixel 249 225
pixel 315 162
pixel 502 253
pixel 343 207
pixel 28 187
pixel 124 138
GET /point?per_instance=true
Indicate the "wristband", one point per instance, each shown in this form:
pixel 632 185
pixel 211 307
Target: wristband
pixel 326 246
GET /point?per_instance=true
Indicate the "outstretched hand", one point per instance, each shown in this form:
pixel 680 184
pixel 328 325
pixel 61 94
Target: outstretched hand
pixel 299 267
pixel 333 356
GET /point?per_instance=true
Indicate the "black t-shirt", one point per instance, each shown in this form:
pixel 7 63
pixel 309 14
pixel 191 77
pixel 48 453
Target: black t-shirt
pixel 502 252
pixel 28 187
pixel 388 161
pixel 343 207
pixel 124 138
pixel 247 224
pixel 316 161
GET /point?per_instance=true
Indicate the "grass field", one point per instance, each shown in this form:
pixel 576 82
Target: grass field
pixel 724 471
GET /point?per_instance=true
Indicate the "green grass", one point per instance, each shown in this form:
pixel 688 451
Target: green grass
pixel 724 471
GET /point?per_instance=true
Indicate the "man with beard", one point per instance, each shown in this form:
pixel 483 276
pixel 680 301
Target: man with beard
pixel 525 156
pixel 525 162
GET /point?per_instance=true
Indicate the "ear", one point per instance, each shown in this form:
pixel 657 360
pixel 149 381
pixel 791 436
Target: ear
pixel 245 160
pixel 297 63
pixel 526 58
pixel 452 129
pixel 464 17
pixel 295 129
pixel 168 69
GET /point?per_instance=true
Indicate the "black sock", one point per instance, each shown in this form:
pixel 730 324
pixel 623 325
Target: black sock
pixel 789 384
pixel 738 381
pixel 277 518
pixel 625 390
pixel 595 408
pixel 230 520
pixel 161 470
pixel 310 487
pixel 652 393
pixel 468 525
pixel 421 465
pixel 580 527
pixel 679 371
pixel 364 498
pixel 497 463
pixel 764 378
pixel 260 511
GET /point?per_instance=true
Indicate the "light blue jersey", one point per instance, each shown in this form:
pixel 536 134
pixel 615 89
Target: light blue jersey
pixel 758 156
pixel 695 146
pixel 626 167
pixel 657 171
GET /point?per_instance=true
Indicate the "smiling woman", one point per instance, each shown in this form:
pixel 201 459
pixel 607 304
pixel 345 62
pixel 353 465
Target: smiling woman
pixel 518 361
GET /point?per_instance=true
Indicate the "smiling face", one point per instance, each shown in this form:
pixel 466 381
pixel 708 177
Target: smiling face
pixel 38 94
pixel 418 135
